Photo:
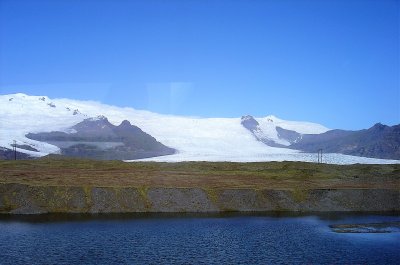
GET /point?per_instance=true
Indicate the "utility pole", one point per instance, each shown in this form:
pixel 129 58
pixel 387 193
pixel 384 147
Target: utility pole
pixel 15 150
pixel 319 156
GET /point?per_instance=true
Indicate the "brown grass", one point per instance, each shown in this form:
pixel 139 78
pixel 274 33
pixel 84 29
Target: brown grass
pixel 273 175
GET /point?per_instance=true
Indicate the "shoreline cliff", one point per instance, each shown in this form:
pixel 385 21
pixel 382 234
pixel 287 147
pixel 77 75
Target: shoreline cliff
pixel 87 186
pixel 25 199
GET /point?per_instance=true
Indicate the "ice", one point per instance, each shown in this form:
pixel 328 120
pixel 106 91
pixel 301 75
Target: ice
pixel 303 157
pixel 196 139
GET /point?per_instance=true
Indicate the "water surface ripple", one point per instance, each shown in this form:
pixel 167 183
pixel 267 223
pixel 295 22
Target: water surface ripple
pixel 194 240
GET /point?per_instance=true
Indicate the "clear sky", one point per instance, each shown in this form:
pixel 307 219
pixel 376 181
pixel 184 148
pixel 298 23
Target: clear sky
pixel 331 62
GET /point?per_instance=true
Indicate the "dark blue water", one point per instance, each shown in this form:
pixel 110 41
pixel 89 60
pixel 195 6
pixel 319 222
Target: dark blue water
pixel 193 240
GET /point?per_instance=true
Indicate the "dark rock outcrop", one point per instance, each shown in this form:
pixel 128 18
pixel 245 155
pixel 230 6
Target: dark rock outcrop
pixel 253 126
pixel 288 135
pixel 99 139
pixel 250 123
pixel 27 147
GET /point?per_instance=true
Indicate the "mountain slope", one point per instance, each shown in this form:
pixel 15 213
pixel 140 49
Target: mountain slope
pixel 192 137
pixel 99 139
pixel 195 139
pixel 379 141
pixel 251 124
pixel 268 130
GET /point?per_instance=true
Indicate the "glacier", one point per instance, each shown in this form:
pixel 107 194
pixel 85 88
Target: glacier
pixel 195 138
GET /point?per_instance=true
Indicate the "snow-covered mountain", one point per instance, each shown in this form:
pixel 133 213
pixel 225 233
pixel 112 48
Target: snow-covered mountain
pixel 267 130
pixel 195 139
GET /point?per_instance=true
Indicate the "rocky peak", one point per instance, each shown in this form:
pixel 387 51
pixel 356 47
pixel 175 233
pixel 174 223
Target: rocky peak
pixel 379 126
pixel 100 118
pixel 247 117
pixel 249 122
pixel 98 125
pixel 125 123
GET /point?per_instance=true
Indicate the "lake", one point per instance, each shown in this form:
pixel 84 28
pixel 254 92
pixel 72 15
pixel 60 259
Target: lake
pixel 194 239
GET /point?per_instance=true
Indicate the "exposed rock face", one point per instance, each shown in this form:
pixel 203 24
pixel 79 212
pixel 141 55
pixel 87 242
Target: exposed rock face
pixel 99 139
pixel 179 200
pixel 288 135
pixel 250 123
pixel 253 126
pixel 24 199
pixel 26 147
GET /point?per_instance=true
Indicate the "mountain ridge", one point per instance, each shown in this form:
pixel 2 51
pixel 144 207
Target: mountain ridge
pixel 380 141
pixel 99 139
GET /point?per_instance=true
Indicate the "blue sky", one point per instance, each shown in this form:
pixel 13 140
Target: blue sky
pixel 331 62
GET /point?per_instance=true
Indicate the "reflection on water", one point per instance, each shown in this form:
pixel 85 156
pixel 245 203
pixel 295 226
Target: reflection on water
pixel 193 239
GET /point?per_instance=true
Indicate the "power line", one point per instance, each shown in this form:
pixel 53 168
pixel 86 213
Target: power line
pixel 15 150
pixel 319 156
